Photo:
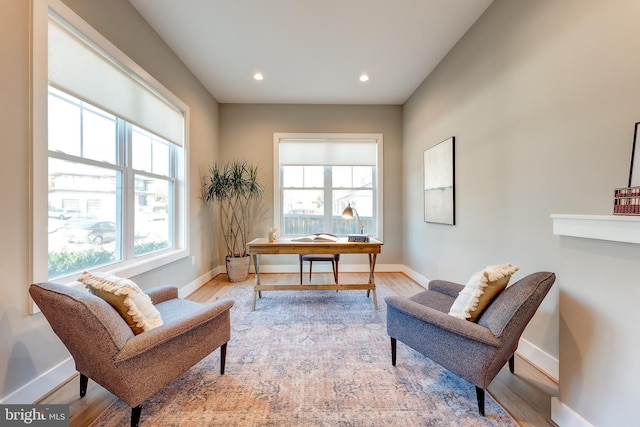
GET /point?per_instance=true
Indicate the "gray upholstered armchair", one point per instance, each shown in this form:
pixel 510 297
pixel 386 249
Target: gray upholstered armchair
pixel 474 351
pixel 133 367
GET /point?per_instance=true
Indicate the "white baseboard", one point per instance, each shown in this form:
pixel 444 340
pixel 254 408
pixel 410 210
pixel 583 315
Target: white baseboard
pixel 190 288
pixel 423 281
pixel 564 416
pixel 541 359
pixel 40 386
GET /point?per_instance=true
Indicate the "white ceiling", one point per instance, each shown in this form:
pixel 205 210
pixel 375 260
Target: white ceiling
pixel 311 51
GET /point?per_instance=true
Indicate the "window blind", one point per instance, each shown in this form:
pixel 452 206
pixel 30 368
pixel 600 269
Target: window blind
pixel 308 152
pixel 77 67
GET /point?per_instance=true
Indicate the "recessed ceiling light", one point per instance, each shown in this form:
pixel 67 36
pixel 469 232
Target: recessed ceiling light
pixel 364 78
pixel 258 76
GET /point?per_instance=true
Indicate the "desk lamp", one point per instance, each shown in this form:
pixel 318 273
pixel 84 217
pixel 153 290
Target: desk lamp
pixel 348 214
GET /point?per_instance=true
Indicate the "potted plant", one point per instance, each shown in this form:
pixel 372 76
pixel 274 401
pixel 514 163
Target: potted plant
pixel 234 187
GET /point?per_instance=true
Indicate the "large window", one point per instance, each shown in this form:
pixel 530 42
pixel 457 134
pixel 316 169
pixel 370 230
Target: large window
pixel 320 175
pixel 88 169
pixel 108 159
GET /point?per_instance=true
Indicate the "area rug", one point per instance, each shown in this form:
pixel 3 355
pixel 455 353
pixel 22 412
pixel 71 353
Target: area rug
pixel 312 358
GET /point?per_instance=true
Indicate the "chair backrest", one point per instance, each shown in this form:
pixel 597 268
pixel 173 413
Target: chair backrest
pixel 88 326
pixel 510 312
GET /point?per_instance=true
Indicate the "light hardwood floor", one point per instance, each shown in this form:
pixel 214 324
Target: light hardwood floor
pixel 526 395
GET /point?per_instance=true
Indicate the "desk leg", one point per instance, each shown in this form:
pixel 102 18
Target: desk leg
pixel 372 266
pixel 256 292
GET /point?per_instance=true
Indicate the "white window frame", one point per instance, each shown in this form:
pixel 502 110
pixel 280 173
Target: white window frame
pixel 329 137
pixel 39 146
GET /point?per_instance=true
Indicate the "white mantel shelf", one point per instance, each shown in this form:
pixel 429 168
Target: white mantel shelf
pixel 615 228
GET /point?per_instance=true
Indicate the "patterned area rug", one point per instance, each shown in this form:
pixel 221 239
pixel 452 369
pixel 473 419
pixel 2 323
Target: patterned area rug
pixel 312 358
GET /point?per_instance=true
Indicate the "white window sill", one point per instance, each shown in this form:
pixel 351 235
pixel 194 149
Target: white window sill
pixel 130 269
pixel 122 270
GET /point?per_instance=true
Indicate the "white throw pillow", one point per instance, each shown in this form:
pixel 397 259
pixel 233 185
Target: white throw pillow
pixel 480 290
pixel 126 297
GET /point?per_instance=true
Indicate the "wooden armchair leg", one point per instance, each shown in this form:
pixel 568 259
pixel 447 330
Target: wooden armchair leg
pixel 135 415
pixel 84 382
pixel 512 363
pixel 223 357
pixel 480 397
pixel 394 346
pixel 301 269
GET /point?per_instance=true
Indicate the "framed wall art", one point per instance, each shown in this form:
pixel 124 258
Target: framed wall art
pixel 439 194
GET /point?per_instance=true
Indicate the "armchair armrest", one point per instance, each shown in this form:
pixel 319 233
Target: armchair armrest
pixel 445 287
pixel 143 343
pixel 441 320
pixel 162 293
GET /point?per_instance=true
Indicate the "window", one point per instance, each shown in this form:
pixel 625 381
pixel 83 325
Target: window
pixel 319 175
pixel 87 171
pixel 108 158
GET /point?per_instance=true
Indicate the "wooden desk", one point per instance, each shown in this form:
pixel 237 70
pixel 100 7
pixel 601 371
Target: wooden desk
pixel 262 246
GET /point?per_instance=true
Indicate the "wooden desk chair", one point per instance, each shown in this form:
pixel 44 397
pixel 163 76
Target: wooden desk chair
pixel 334 259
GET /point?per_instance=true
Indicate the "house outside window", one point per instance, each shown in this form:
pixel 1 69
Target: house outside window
pixel 319 175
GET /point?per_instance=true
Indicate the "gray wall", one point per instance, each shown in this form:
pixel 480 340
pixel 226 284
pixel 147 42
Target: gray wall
pixel 246 132
pixel 28 348
pixel 542 97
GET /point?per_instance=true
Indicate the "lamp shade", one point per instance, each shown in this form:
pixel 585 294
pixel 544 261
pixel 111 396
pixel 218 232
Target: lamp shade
pixel 347 213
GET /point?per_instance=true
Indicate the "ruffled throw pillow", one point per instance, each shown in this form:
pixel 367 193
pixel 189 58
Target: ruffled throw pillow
pixel 126 297
pixel 481 289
